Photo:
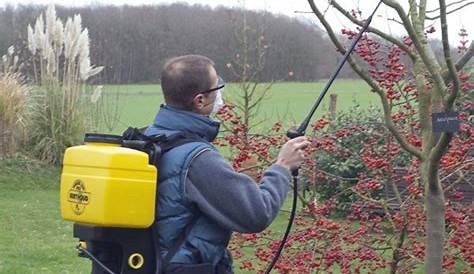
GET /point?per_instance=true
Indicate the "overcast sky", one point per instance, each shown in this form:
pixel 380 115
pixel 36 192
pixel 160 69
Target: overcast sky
pixel 463 18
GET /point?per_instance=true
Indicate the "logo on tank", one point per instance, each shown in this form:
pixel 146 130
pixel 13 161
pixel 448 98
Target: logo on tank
pixel 78 197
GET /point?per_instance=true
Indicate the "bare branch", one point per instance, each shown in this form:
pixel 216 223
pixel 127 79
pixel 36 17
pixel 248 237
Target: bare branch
pixel 397 256
pixel 447 56
pixel 466 57
pixel 382 203
pixel 378 32
pixel 395 20
pixel 367 198
pixel 366 77
pixel 460 63
pixel 252 167
pixel 449 12
pixel 422 11
pixel 462 164
pixel 413 10
pixel 300 11
pixel 447 6
pixel 455 183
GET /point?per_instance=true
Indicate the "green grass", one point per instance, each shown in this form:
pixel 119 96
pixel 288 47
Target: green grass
pixel 289 102
pixel 33 237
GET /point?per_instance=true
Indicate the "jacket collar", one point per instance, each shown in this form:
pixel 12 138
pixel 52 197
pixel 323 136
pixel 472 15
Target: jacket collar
pixel 172 120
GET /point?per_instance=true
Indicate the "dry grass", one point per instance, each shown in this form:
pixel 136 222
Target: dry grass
pixel 13 94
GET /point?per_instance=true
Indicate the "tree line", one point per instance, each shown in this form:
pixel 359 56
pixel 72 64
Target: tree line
pixel 133 42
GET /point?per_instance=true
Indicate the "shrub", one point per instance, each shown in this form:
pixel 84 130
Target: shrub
pixel 339 161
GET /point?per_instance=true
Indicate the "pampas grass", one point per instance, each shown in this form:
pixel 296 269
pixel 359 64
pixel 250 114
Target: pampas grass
pixel 13 94
pixel 59 107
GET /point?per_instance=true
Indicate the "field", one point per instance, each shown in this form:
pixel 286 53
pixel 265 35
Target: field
pixel 33 237
pixel 290 102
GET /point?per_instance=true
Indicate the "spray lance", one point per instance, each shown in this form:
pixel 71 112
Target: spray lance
pixel 300 131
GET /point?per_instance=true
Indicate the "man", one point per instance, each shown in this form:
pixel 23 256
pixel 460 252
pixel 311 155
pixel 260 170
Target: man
pixel 201 200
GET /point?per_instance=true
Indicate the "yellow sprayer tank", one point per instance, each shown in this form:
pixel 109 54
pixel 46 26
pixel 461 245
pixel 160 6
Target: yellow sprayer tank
pixel 104 184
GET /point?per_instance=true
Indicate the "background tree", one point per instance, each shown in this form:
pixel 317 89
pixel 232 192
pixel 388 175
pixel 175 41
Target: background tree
pixel 132 42
pixel 438 86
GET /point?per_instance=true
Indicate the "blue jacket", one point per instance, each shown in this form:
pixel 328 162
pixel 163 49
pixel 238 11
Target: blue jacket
pixel 205 241
pixel 195 181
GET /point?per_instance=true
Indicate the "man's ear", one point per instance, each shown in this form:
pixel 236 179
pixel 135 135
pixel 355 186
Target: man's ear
pixel 198 102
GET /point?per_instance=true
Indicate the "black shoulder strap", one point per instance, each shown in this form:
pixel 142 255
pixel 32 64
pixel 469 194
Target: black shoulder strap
pixel 179 139
pixel 156 145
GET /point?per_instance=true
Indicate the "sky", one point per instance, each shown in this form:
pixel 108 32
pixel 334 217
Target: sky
pixel 463 18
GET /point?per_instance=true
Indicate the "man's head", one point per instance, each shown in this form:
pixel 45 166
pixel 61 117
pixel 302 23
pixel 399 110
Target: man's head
pixel 189 82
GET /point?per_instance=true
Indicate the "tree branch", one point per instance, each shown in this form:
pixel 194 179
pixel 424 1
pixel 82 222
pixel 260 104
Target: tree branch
pixel 448 5
pixel 354 179
pixel 449 12
pixel 385 36
pixel 395 20
pixel 447 56
pixel 463 164
pixel 439 149
pixel 366 77
pixel 455 183
pixel 252 167
pixel 460 63
pixel 413 11
pixel 466 57
pixel 422 11
pixel 382 203
pixel 430 64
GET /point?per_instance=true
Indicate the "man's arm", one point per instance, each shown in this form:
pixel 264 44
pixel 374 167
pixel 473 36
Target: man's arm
pixel 233 199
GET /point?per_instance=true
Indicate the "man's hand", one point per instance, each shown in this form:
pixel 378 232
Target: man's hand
pixel 291 153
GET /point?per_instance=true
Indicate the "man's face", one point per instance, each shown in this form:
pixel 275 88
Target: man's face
pixel 206 101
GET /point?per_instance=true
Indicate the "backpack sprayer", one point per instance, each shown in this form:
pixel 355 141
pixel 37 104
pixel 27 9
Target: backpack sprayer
pixel 108 189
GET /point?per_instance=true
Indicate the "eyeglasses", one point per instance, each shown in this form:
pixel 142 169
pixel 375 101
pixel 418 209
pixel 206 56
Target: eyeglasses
pixel 220 85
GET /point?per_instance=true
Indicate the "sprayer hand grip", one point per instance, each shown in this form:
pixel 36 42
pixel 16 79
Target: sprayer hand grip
pixel 292 133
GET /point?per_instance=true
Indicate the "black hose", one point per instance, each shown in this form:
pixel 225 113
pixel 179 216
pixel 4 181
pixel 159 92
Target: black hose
pixel 290 222
pixel 92 257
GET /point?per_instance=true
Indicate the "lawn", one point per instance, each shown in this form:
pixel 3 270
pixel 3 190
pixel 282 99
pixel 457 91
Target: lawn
pixel 137 104
pixel 33 237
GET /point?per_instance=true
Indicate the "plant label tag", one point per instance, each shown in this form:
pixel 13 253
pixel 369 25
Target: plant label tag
pixel 445 122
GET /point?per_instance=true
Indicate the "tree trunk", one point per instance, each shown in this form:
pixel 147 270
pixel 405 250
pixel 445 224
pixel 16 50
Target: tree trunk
pixel 435 219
